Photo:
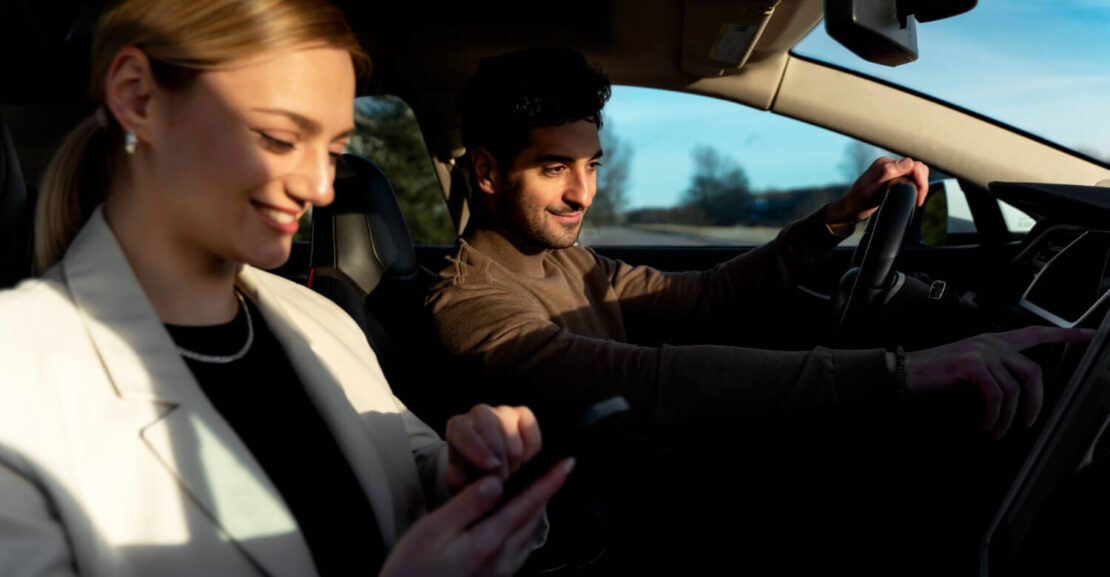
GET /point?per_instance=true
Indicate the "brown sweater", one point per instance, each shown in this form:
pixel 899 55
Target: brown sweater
pixel 547 329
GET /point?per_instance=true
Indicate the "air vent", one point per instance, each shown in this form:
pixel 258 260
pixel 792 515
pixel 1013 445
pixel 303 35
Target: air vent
pixel 1054 242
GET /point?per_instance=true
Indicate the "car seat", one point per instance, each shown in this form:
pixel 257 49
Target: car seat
pixel 363 259
pixel 16 212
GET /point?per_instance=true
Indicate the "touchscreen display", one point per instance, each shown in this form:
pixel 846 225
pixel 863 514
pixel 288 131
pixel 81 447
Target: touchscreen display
pixel 1072 283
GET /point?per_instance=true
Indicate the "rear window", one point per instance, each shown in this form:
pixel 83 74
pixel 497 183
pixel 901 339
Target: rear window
pixel 388 134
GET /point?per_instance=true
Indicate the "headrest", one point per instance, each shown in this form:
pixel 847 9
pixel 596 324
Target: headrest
pixel 16 210
pixel 362 235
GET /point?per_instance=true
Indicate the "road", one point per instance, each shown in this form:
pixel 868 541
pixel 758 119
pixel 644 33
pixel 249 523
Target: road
pixel 616 235
pixel 613 235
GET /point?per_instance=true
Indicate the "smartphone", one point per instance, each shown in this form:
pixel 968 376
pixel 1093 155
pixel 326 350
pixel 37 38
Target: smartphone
pixel 565 443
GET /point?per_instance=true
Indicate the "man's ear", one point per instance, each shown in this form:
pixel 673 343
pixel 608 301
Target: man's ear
pixel 486 172
pixel 128 89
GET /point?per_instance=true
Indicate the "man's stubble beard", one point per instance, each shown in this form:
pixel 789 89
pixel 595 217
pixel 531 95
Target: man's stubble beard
pixel 531 227
pixel 541 236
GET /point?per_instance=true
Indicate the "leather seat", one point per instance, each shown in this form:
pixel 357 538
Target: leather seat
pixel 17 206
pixel 363 259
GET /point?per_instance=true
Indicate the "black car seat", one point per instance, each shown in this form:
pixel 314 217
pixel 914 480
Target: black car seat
pixel 16 212
pixel 363 259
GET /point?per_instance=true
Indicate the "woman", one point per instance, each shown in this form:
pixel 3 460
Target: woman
pixel 166 407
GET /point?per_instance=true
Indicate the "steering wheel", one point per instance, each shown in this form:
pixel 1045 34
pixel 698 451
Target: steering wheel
pixel 873 261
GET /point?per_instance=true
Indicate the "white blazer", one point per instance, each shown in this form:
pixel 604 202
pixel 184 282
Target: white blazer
pixel 112 460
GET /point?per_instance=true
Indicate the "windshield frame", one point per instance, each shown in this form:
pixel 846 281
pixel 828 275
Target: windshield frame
pixel 956 107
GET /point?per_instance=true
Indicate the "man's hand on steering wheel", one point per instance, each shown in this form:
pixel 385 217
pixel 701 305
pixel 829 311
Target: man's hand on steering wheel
pixel 873 273
pixel 867 192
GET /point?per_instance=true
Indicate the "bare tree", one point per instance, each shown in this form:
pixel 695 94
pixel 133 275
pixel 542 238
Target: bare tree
pixel 612 179
pixel 719 190
pixel 857 157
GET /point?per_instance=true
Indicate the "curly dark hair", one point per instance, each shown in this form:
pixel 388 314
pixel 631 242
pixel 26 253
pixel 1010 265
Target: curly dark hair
pixel 515 92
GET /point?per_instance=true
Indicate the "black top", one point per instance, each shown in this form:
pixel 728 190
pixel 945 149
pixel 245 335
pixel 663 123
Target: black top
pixel 262 398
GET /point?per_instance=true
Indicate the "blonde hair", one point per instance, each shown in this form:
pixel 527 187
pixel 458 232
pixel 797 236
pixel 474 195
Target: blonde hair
pixel 180 38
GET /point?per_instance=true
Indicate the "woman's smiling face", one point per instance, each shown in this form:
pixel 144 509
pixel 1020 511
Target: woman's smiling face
pixel 243 151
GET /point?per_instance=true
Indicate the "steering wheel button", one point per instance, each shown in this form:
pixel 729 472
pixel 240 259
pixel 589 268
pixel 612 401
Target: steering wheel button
pixel 936 291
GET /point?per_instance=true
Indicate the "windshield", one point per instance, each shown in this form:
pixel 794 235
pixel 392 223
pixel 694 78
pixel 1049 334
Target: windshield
pixel 1038 65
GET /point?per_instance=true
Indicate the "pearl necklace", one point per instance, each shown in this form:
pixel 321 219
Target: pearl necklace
pixel 223 359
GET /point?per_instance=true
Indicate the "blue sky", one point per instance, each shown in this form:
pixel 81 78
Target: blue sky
pixel 1040 65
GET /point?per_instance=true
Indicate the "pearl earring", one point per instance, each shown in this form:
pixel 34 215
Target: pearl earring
pixel 130 141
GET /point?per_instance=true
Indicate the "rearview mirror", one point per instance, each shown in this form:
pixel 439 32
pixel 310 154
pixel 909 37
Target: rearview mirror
pixel 885 31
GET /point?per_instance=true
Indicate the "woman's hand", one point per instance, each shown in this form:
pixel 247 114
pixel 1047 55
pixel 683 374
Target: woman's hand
pixel 490 440
pixel 451 541
pixel 455 539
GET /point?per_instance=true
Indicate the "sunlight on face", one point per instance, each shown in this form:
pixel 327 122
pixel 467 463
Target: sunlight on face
pixel 247 149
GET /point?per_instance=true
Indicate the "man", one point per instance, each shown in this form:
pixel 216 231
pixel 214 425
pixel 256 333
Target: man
pixel 545 323
pixel 546 319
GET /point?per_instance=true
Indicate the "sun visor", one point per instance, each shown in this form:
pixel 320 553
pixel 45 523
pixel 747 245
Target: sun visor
pixel 718 35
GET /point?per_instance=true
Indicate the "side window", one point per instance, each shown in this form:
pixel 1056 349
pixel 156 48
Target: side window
pixel 388 134
pixel 682 169
pixel 960 220
pixel 1017 221
pixel 947 218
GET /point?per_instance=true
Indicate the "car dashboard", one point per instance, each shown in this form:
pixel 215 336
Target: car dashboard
pixel 1061 275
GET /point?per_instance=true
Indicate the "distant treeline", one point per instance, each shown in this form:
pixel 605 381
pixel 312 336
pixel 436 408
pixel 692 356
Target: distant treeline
pixel 772 208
